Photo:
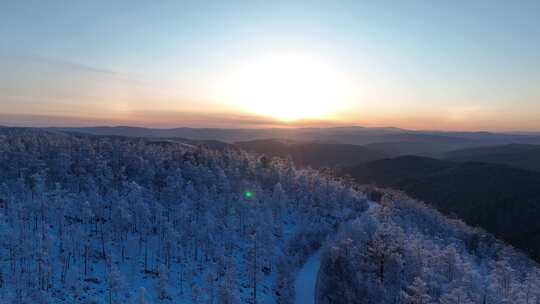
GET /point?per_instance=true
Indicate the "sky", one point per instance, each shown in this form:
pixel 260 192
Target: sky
pixel 439 65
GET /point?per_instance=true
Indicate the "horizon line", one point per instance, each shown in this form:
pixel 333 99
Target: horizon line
pixel 112 126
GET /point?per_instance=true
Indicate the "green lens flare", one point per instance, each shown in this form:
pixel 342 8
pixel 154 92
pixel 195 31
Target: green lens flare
pixel 248 194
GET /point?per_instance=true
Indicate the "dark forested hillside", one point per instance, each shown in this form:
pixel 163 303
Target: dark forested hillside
pixel 514 155
pixel 503 200
pixel 313 154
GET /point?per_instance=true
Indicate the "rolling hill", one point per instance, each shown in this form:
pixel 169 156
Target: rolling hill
pixel 514 155
pixel 503 200
pixel 313 154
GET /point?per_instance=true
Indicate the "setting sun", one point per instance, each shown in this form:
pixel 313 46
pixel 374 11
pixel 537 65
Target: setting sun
pixel 287 87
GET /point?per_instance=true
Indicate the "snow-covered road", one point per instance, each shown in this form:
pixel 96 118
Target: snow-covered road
pixel 306 280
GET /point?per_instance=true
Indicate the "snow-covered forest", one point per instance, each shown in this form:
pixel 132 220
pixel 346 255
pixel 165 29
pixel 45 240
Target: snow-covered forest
pixel 94 219
pixel 406 252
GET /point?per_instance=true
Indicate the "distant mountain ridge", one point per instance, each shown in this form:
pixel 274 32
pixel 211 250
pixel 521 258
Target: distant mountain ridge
pixel 363 135
pixel 389 141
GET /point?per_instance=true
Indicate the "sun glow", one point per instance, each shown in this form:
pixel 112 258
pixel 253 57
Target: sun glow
pixel 287 87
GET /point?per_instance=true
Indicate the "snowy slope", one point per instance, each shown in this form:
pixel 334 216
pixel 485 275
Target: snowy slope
pixel 96 220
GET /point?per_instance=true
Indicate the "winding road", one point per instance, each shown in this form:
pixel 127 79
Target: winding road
pixel 306 280
pixel 305 284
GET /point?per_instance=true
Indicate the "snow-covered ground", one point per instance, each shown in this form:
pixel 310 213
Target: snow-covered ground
pixel 101 219
pixel 372 204
pixel 306 280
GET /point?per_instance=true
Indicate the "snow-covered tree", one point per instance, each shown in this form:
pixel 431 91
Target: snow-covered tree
pixel 141 297
pixel 115 284
pixel 455 296
pixel 417 293
pixel 162 285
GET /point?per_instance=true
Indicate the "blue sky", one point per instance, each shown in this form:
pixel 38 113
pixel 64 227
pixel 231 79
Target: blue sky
pixel 463 65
